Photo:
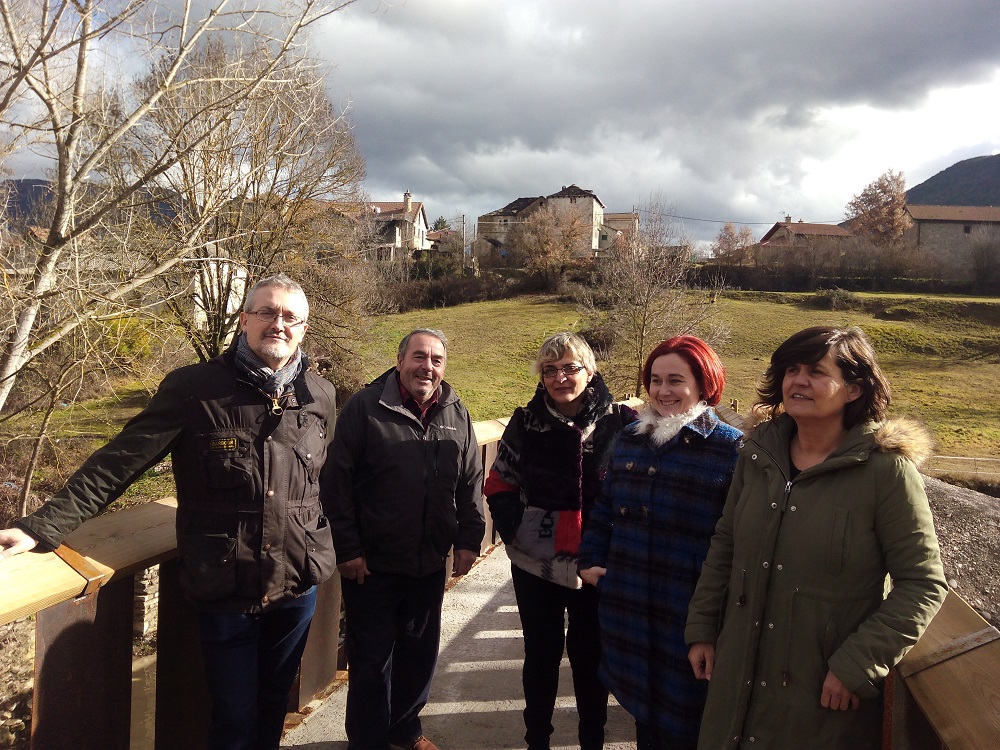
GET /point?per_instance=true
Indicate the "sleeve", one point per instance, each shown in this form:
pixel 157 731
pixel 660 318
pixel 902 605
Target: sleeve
pixel 597 538
pixel 905 530
pixel 469 494
pixel 144 441
pixel 503 493
pixel 342 462
pixel 706 606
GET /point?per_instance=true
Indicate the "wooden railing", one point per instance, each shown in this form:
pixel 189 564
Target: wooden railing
pixel 944 695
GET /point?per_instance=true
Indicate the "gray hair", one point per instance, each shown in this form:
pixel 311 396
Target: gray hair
pixel 555 347
pixel 278 280
pixel 439 335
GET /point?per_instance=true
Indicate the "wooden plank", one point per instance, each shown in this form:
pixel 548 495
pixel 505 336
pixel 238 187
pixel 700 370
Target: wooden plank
pixel 130 540
pixel 490 431
pixel 960 695
pixel 116 544
pixel 950 650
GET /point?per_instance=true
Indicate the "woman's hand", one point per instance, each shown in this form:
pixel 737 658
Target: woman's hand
pixel 836 695
pixel 702 658
pixel 593 575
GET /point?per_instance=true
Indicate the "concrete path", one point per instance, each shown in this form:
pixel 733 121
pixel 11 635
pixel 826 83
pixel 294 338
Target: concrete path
pixel 476 699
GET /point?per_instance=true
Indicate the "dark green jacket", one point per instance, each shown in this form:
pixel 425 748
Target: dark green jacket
pixel 796 576
pixel 250 529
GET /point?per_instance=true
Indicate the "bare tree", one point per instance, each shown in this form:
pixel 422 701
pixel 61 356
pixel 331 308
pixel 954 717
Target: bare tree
pixel 282 158
pixel 67 96
pixel 732 247
pixel 878 213
pixel 643 297
pixel 546 240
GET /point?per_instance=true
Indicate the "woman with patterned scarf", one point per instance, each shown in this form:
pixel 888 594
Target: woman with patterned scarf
pixel 663 492
pixel 540 491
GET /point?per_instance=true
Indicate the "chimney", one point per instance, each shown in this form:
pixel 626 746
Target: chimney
pixel 407 202
pixel 788 219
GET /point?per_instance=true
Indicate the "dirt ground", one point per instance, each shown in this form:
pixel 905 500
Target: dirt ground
pixel 968 529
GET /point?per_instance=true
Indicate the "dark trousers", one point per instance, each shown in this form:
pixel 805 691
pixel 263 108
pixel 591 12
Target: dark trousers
pixel 652 737
pixel 543 607
pixel 393 633
pixel 250 664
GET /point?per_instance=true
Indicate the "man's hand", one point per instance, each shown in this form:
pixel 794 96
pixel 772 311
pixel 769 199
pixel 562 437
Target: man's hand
pixel 836 696
pixel 702 658
pixel 593 575
pixel 15 541
pixel 462 562
pixel 354 570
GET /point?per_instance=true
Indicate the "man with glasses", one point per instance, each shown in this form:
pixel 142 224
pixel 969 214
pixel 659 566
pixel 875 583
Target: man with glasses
pixel 406 487
pixel 248 433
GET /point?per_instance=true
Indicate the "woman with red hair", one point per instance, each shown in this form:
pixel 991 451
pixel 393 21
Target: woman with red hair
pixel 649 532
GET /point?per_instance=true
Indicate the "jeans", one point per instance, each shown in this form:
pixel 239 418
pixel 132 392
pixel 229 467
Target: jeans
pixel 393 633
pixel 250 664
pixel 543 607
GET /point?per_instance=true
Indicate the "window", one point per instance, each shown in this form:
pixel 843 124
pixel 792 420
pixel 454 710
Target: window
pixel 967 229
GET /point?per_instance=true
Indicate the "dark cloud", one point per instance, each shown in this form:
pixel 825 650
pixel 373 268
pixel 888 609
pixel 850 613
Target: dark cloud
pixel 723 107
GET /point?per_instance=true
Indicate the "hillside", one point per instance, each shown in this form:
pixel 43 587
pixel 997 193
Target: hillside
pixel 972 182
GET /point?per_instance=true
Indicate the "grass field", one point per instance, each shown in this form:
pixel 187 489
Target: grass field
pixel 940 354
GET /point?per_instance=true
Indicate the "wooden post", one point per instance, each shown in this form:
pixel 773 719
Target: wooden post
pixel 322 657
pixel 83 671
pixel 183 705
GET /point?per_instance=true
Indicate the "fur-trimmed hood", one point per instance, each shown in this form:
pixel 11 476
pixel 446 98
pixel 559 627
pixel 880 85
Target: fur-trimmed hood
pixel 905 436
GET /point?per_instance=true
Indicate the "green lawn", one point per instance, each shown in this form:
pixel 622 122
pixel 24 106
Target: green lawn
pixel 935 352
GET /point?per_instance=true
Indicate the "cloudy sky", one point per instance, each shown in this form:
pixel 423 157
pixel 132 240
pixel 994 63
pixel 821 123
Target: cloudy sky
pixel 729 110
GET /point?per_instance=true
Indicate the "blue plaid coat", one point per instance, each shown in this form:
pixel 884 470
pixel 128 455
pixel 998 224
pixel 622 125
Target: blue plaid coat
pixel 651 529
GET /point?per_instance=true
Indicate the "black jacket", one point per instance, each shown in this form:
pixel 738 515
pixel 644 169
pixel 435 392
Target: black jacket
pixel 250 528
pixel 402 495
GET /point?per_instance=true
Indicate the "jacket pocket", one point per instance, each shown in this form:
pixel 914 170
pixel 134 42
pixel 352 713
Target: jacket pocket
pixel 225 458
pixel 311 447
pixel 207 566
pixel 321 560
pixel 838 541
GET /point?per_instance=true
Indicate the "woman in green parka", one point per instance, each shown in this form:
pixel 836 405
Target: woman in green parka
pixel 793 619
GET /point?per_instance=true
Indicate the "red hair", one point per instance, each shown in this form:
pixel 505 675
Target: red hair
pixel 701 358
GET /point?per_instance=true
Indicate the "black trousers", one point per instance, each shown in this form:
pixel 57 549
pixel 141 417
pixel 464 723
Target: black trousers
pixel 393 631
pixel 543 607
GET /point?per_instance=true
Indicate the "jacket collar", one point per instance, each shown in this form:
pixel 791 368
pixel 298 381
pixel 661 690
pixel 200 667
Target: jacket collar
pixel 302 393
pixel 388 386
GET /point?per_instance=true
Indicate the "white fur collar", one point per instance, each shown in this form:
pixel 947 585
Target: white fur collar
pixel 662 429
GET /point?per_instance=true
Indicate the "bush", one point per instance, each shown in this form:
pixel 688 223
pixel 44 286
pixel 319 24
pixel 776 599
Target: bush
pixel 837 299
pixel 455 290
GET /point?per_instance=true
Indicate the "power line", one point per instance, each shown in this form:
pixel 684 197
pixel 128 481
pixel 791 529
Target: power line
pixel 729 221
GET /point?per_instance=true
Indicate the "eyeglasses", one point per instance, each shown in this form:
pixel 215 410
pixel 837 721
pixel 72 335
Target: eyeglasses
pixel 267 315
pixel 549 372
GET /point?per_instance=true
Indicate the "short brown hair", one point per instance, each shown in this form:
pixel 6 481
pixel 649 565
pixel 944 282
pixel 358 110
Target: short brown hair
pixel 854 355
